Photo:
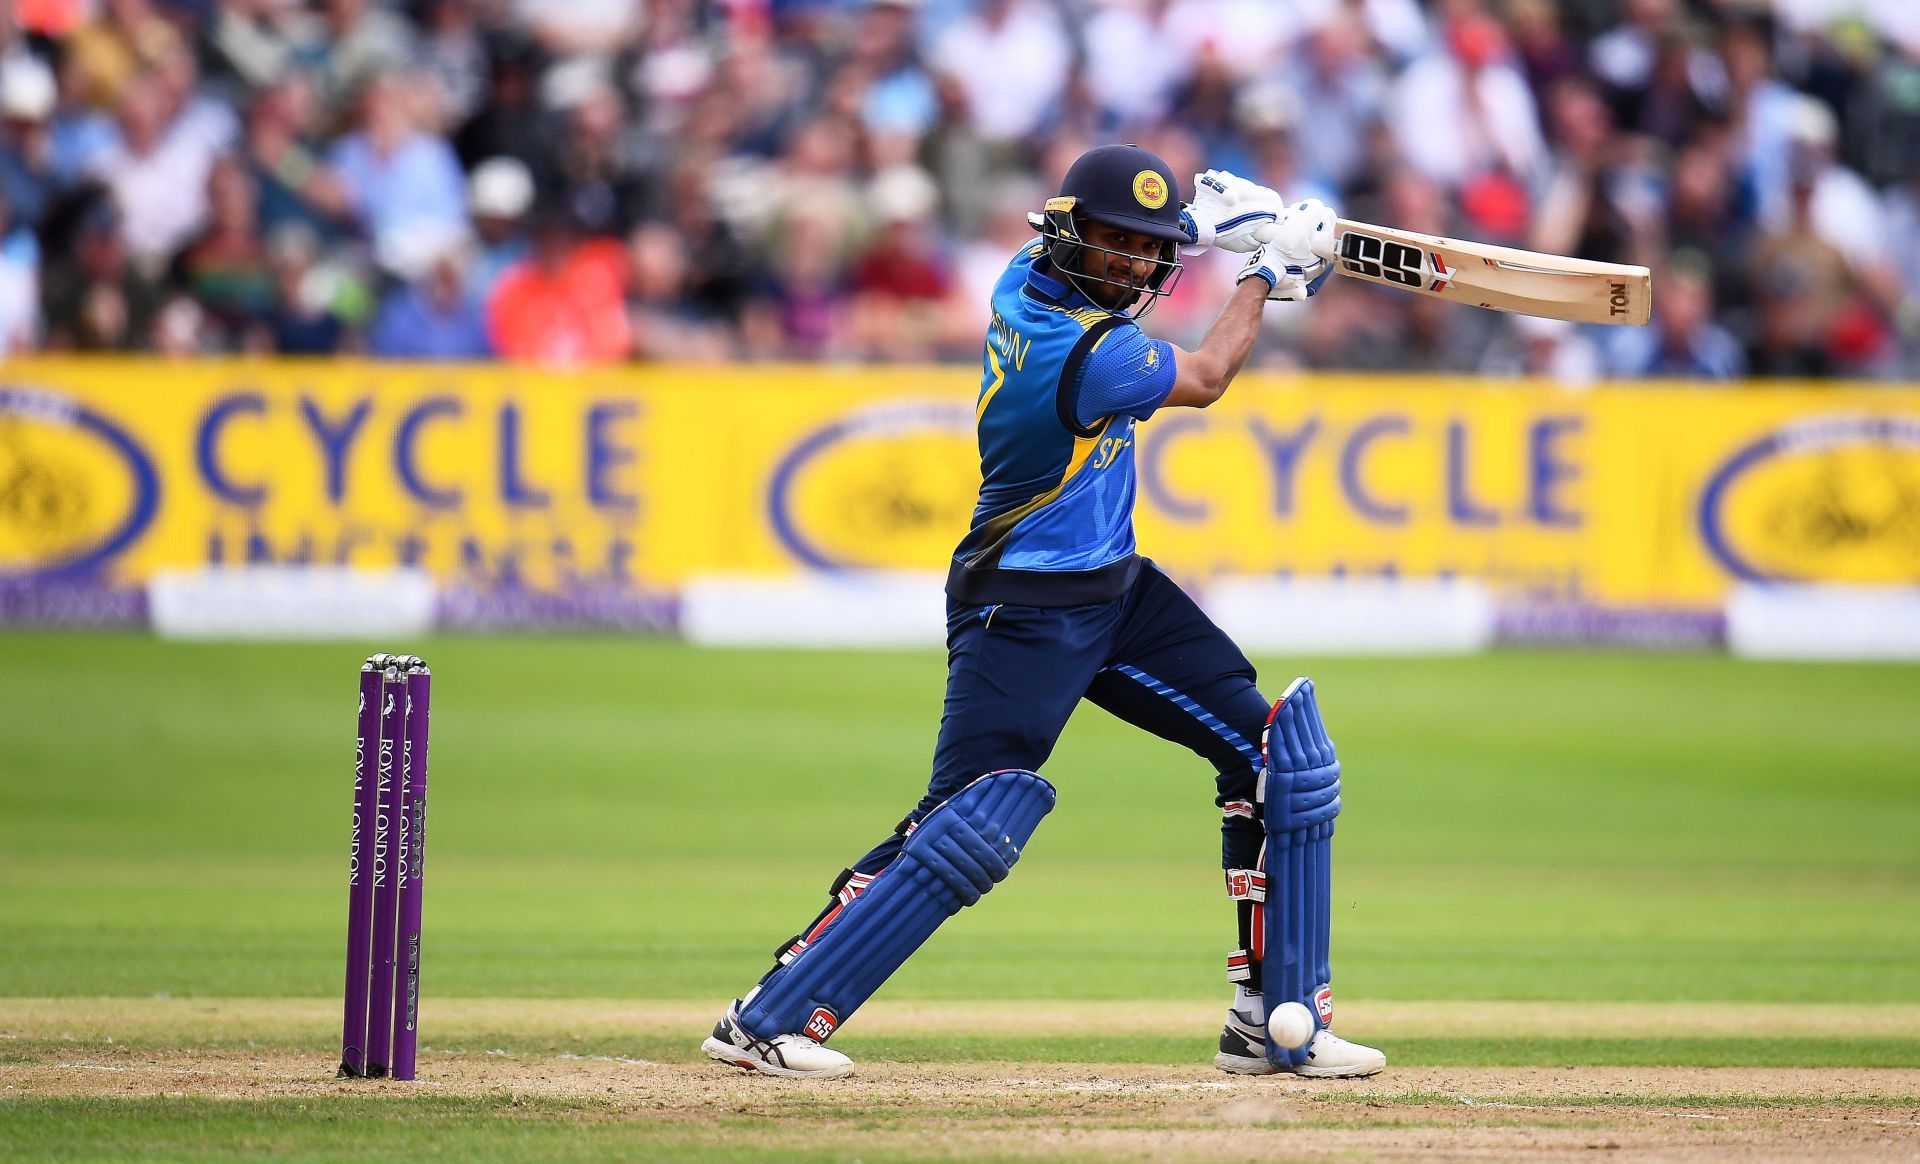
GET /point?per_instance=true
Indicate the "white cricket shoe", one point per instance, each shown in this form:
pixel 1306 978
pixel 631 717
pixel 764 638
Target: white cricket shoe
pixel 794 1055
pixel 1243 1046
pixel 1243 1051
pixel 1331 1057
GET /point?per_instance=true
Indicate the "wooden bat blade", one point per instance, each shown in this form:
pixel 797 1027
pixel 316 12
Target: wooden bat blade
pixel 1495 277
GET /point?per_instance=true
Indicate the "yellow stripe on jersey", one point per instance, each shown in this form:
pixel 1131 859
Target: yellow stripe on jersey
pixel 999 378
pixel 995 529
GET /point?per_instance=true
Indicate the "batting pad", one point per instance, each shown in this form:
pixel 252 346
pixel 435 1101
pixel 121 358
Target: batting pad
pixel 957 852
pixel 1300 796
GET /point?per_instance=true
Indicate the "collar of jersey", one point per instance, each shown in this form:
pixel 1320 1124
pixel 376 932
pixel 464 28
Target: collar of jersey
pixel 1056 292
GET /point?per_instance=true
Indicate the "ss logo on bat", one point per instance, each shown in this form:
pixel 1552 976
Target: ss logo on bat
pixel 1374 258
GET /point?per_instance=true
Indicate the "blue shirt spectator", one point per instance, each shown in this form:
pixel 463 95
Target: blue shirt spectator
pixel 395 177
pixel 430 320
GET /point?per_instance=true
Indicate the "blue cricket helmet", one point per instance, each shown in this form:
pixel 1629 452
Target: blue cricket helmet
pixel 1125 187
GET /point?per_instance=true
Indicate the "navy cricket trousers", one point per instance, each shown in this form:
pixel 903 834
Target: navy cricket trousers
pixel 1151 657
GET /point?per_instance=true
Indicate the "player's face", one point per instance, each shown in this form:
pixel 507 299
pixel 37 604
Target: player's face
pixel 1123 267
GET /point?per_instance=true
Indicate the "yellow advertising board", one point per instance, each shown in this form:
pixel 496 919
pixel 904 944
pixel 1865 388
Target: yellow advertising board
pixel 637 478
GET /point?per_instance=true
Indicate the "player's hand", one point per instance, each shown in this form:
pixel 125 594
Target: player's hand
pixel 1229 211
pixel 1300 256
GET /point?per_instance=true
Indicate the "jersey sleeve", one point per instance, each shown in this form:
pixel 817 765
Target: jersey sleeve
pixel 1127 372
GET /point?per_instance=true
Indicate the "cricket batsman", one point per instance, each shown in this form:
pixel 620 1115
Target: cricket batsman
pixel 1049 603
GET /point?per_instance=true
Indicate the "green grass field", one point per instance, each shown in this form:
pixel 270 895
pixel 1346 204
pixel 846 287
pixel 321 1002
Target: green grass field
pixel 642 821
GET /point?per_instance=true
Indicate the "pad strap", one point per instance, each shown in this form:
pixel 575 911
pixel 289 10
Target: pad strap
pixel 956 853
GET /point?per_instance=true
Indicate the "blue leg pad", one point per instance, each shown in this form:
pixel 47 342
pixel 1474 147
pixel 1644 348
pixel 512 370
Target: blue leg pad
pixel 1299 797
pixel 955 854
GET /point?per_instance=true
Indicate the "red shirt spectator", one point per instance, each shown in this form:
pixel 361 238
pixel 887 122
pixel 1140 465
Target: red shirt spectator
pixel 564 305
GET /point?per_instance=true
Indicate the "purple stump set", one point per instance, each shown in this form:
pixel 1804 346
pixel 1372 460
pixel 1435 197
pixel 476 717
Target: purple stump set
pixel 385 868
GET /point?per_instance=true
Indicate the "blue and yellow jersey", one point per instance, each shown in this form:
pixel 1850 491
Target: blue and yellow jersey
pixel 1062 384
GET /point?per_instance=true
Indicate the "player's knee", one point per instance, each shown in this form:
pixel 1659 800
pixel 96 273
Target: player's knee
pixel 1301 785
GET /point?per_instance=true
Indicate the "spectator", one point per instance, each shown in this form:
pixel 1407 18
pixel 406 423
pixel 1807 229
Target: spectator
pixel 981 261
pixel 19 284
pixel 226 269
pixel 597 180
pixel 499 194
pixel 1462 111
pixel 396 178
pixel 1010 59
pixel 351 45
pixel 904 305
pixel 303 320
pixel 1577 212
pixel 668 323
pixel 1700 212
pixel 455 57
pixel 1245 36
pixel 815 181
pixel 801 310
pixel 250 40
pixel 1800 283
pixel 581 26
pixel 1337 70
pixel 109 53
pixel 511 124
pixel 720 267
pixel 95 300
pixel 180 331
pixel 1541 44
pixel 1683 342
pixel 434 317
pixel 1903 253
pixel 295 187
pixel 563 305
pixel 1135 62
pixel 28 183
pixel 1762 109
pixel 723 155
pixel 899 99
pixel 1552 350
pixel 158 175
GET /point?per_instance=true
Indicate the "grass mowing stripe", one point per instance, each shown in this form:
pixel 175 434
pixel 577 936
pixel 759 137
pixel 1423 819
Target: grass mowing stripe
pixel 352 1128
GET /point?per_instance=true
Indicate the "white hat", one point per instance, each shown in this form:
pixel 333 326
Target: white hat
pixel 26 89
pixel 500 188
pixel 414 248
pixel 1811 121
pixel 903 193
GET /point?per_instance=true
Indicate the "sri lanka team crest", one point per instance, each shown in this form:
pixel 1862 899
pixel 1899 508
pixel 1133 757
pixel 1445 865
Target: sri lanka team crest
pixel 1149 190
pixel 75 488
pixel 1826 499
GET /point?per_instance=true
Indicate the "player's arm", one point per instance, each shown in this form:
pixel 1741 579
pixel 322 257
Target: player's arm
pixel 1292 266
pixel 1201 377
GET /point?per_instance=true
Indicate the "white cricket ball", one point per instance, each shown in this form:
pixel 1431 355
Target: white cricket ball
pixel 1290 1025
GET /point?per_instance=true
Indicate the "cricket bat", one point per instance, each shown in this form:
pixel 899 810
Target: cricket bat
pixel 1500 278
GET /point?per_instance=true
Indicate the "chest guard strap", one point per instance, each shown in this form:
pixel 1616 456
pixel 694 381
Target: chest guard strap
pixel 957 852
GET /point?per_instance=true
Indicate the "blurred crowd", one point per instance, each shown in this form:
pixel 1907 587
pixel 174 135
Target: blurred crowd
pixel 581 181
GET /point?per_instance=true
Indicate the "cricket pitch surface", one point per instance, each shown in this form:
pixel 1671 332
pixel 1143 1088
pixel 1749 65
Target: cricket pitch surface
pixel 524 1078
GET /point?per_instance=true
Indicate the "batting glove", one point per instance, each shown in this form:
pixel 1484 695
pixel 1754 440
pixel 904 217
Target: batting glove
pixel 1227 211
pixel 1300 256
